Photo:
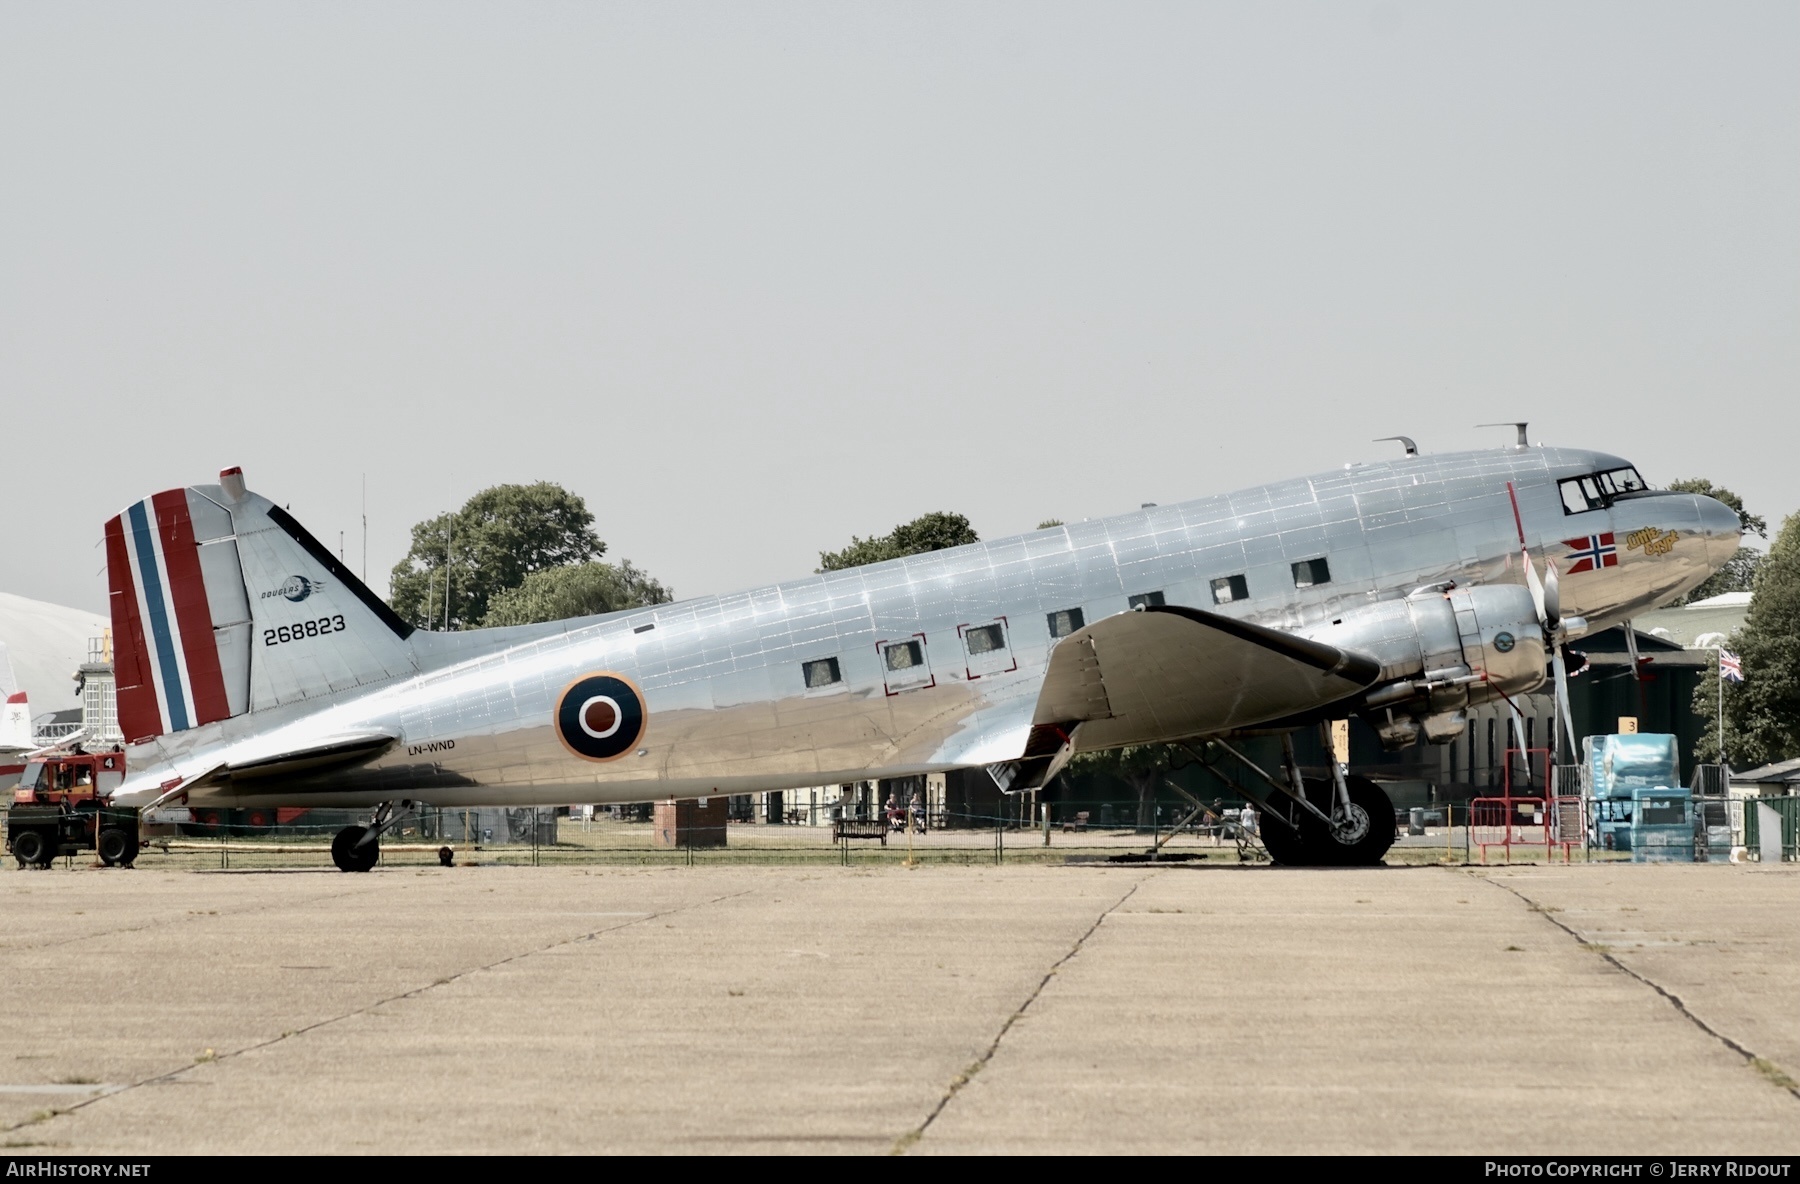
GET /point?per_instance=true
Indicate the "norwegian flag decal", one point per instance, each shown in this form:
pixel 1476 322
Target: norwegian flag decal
pixel 1596 550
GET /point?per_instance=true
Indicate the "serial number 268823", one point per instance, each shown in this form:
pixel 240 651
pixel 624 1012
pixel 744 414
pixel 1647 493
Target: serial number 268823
pixel 304 629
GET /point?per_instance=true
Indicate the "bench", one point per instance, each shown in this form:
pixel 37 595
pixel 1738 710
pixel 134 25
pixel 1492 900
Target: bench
pixel 1080 822
pixel 845 829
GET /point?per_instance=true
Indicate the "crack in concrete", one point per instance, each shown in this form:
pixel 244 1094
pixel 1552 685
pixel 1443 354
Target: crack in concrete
pixel 906 1141
pixel 415 992
pixel 1762 1065
pixel 156 922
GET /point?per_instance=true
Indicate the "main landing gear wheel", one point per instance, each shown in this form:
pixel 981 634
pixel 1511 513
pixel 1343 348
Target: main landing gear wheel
pixel 1283 844
pixel 350 857
pixel 118 847
pixel 1362 839
pixel 33 848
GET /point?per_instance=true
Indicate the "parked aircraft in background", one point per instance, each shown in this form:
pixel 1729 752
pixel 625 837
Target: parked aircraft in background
pixel 15 725
pixel 254 669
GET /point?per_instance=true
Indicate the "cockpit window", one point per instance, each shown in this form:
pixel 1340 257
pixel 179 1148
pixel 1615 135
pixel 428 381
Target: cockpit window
pixel 1596 491
pixel 1619 481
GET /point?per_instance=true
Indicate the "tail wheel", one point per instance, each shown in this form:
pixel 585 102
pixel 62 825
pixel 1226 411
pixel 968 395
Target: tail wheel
pixel 116 846
pixel 350 857
pixel 33 848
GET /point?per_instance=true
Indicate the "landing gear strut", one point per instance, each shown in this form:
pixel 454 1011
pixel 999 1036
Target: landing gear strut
pixel 356 848
pixel 1340 821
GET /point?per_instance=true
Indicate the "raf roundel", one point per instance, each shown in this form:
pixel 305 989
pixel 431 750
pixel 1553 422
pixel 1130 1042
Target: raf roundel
pixel 600 717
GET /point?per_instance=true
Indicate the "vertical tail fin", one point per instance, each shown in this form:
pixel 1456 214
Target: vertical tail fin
pixel 222 604
pixel 15 710
pixel 180 617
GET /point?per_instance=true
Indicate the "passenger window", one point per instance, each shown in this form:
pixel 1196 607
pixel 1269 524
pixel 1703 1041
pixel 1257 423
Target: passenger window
pixel 904 655
pixel 1226 589
pixel 988 652
pixel 905 665
pixel 822 673
pixel 1311 572
pixel 1147 600
pixel 1065 622
pixel 984 639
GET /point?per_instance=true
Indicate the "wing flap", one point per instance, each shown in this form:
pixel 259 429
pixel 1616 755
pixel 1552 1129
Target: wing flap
pixel 1170 672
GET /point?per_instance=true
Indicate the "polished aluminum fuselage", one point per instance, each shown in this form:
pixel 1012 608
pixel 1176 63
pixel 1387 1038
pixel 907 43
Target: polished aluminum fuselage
pixel 728 708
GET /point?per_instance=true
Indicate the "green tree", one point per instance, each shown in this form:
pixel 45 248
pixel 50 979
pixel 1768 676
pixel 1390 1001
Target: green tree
pixel 1048 523
pixel 1739 572
pixel 498 538
pixel 928 532
pixel 1140 767
pixel 578 590
pixel 1763 712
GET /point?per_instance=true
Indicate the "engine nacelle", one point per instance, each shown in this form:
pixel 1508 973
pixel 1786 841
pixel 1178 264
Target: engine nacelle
pixel 1441 650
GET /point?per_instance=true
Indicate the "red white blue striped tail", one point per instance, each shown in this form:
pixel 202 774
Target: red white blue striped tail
pixel 178 655
pixel 222 604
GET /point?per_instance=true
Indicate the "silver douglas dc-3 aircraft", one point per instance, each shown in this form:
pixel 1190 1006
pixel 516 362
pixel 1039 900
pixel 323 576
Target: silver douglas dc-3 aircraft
pixel 254 669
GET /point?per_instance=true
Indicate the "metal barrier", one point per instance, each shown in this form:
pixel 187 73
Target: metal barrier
pixel 1546 817
pixel 1568 824
pixel 1507 823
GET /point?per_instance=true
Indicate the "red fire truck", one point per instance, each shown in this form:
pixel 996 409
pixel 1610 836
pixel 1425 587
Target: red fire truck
pixel 61 806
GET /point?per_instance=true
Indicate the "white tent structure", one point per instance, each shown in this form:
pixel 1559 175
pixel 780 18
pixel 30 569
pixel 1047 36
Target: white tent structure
pixel 46 643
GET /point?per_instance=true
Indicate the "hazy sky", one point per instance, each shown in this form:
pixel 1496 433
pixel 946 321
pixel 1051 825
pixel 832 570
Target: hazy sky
pixel 756 277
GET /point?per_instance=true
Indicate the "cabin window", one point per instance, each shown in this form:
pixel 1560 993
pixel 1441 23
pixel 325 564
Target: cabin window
pixel 822 673
pixel 1065 622
pixel 1309 573
pixel 905 666
pixel 1147 600
pixel 984 639
pixel 904 655
pixel 1226 589
pixel 987 648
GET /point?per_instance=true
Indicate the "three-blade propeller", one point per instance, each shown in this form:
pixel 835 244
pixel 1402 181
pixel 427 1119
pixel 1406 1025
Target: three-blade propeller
pixel 1546 597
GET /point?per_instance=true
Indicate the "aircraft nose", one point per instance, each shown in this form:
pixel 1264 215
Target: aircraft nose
pixel 1722 528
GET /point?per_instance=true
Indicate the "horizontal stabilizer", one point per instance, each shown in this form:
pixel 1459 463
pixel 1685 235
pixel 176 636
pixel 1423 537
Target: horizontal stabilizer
pixel 317 756
pixel 339 751
pixel 1170 672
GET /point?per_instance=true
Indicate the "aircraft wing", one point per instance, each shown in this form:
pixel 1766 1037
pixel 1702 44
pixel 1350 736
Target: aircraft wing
pixel 1170 672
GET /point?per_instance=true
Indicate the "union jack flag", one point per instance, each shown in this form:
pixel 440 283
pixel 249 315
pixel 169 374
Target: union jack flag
pixel 1596 550
pixel 1730 668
